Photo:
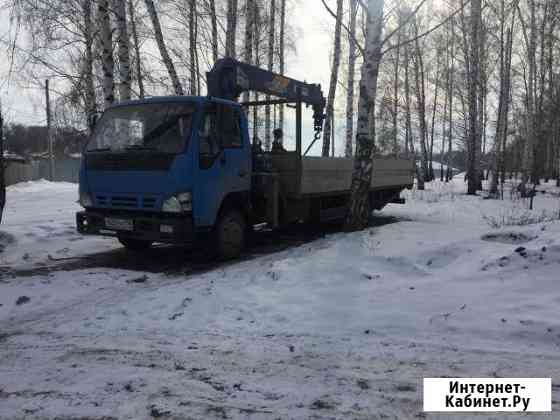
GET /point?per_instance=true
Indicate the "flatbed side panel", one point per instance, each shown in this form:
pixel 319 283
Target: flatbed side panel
pixel 288 169
pixel 324 175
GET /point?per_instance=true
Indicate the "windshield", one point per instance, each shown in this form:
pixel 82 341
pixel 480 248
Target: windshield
pixel 161 128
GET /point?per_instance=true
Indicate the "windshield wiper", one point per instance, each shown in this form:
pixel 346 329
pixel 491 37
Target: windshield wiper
pixel 101 149
pixel 139 147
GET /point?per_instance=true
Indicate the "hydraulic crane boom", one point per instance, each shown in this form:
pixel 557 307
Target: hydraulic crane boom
pixel 229 78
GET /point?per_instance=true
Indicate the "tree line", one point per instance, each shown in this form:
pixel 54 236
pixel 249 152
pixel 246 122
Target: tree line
pixel 474 79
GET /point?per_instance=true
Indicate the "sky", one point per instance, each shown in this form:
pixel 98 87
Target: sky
pixel 23 103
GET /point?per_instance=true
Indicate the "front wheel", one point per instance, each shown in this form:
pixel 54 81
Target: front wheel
pixel 230 234
pixel 135 244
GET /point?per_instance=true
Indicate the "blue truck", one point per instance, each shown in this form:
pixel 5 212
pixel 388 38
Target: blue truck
pixel 183 170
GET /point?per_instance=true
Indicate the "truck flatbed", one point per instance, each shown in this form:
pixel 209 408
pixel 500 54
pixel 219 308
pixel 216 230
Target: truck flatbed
pixel 324 176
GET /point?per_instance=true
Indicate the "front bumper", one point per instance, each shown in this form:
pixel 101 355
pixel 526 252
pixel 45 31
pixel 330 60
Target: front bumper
pixel 146 226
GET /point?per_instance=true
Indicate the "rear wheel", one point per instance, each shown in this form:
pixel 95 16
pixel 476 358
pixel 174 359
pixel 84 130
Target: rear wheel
pixel 135 244
pixel 231 231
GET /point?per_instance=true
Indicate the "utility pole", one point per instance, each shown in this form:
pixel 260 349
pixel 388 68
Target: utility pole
pixel 2 166
pixel 49 133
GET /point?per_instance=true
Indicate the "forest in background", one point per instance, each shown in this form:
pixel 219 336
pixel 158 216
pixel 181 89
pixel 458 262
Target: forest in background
pixel 474 84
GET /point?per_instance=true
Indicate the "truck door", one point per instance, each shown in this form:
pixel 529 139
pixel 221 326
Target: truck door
pixel 223 161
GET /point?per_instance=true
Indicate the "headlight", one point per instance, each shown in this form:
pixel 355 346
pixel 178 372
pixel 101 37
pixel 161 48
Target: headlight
pixel 180 203
pixel 85 200
pixel 171 205
pixel 186 201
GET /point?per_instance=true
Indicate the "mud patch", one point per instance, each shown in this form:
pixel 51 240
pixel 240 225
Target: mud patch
pixel 508 238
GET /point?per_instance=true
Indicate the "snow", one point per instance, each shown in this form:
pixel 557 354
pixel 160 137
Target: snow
pixel 39 220
pixel 343 327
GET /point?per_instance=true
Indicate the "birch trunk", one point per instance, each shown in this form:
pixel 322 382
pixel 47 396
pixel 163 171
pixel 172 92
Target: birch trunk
pixel 272 26
pixel 449 174
pixel 139 76
pixel 106 52
pixel 282 54
pixel 351 77
pixel 496 163
pixel 231 28
pixel 257 45
pixel 396 94
pixel 473 101
pixel 445 105
pixel 214 24
pixel 334 80
pixel 408 103
pixel 432 136
pixel 419 78
pixel 89 87
pixel 193 65
pixel 359 204
pixel 178 88
pixel 527 161
pixel 249 31
pixel 123 42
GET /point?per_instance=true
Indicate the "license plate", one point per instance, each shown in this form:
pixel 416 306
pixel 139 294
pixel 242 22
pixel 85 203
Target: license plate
pixel 119 224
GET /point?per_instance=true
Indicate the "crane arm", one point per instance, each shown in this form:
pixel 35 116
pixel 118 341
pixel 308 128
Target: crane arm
pixel 229 78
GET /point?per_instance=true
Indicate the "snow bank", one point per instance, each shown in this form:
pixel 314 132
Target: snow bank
pixel 40 186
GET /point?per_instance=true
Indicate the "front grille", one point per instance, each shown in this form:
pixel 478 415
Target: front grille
pixel 126 202
pixel 149 202
pixel 102 201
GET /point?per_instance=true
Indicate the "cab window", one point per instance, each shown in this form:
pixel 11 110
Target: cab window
pixel 209 142
pixel 231 135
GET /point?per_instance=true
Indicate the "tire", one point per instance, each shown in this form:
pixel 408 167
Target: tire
pixel 135 244
pixel 230 234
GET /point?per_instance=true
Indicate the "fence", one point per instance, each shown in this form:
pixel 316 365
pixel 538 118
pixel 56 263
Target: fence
pixel 66 169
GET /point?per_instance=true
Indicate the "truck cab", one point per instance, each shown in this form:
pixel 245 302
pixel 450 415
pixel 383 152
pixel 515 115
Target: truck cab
pixel 164 169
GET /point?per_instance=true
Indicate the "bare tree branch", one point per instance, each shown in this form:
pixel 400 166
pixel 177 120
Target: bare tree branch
pixel 348 31
pixel 429 31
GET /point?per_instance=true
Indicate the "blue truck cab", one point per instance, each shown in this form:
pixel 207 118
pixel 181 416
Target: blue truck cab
pixel 164 169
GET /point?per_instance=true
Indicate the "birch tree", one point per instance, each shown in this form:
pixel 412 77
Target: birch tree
pixel 257 61
pixel 137 55
pixel 450 95
pixel 193 49
pixel 106 51
pixel 282 54
pixel 214 24
pixel 396 77
pixel 334 80
pixel 500 138
pixel 420 91
pixel 271 44
pixel 353 5
pixel 359 204
pixel 178 88
pixel 231 28
pixel 474 83
pixel 123 42
pixel 249 33
pixel 89 87
pixel 530 34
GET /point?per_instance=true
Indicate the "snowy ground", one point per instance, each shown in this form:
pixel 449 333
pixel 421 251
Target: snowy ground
pixel 343 327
